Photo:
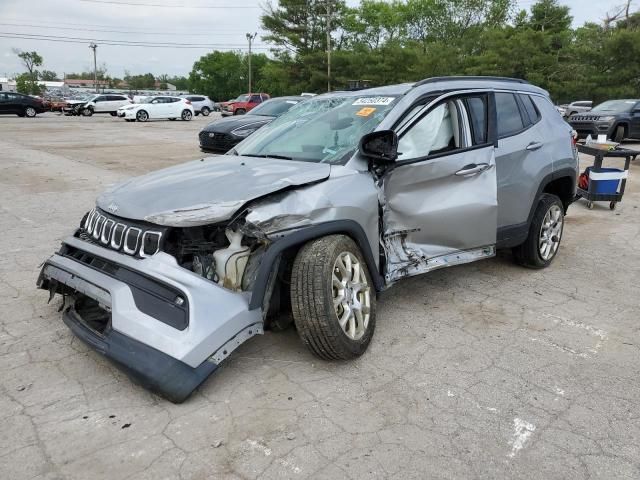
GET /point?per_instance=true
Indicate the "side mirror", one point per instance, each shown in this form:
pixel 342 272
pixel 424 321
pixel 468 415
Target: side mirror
pixel 381 146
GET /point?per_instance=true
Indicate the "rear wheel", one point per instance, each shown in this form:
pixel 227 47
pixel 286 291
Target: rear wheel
pixel 186 115
pixel 619 134
pixel 30 112
pixel 205 111
pixel 545 234
pixel 142 116
pixel 332 298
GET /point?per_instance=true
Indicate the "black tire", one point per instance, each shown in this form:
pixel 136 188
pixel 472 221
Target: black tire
pixel 87 112
pixel 240 111
pixel 312 292
pixel 172 119
pixel 186 115
pixel 618 136
pixel 113 114
pixel 129 120
pixel 142 116
pixel 528 254
pixel 205 111
pixel 30 112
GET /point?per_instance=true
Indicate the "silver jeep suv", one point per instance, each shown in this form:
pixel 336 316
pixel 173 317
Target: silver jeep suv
pixel 309 218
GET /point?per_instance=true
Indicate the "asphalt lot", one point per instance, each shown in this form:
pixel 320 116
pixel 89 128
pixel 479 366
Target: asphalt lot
pixel 481 371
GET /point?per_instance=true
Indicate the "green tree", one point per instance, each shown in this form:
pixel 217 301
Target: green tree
pixel 48 75
pixel 25 85
pixel 224 75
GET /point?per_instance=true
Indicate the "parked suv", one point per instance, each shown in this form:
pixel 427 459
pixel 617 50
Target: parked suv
pixel 617 119
pixel 201 104
pixel 314 214
pixel 575 107
pixel 243 103
pixel 21 105
pixel 105 103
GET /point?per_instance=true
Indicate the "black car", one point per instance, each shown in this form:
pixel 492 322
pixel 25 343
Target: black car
pixel 225 133
pixel 22 105
pixel 617 119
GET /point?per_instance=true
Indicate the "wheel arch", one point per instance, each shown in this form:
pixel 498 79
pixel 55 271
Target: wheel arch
pixel 295 240
pixel 621 123
pixel 561 183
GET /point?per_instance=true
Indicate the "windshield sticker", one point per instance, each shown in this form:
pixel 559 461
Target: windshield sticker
pixel 365 112
pixel 292 102
pixel 374 101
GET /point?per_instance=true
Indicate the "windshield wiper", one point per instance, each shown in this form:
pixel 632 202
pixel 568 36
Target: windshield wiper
pixel 280 157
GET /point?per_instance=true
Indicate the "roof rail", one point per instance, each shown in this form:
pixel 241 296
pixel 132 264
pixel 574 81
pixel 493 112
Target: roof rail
pixel 470 78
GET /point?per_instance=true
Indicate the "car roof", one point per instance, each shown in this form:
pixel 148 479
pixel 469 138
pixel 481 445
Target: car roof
pixel 438 84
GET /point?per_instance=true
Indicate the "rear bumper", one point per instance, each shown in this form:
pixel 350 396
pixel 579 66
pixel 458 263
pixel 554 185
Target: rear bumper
pixel 139 296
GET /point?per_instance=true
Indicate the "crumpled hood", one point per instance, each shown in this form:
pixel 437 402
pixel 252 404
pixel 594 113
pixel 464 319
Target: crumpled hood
pixel 205 191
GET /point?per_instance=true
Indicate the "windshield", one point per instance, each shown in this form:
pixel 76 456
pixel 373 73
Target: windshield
pixel 273 108
pixel 322 129
pixel 241 98
pixel 615 106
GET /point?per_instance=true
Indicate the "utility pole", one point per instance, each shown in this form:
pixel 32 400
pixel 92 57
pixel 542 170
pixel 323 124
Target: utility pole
pixel 328 5
pixel 250 38
pixel 93 46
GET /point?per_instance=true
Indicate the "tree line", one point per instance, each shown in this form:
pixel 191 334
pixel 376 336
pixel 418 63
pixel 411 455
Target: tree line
pixel 397 41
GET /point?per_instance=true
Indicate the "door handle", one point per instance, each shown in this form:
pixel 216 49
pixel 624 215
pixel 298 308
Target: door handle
pixel 472 169
pixel 534 146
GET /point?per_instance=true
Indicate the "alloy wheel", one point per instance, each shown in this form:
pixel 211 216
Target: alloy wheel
pixel 351 295
pixel 550 232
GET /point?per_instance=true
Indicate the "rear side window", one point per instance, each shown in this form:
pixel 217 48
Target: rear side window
pixel 255 98
pixel 196 99
pixel 477 110
pixel 509 118
pixel 530 109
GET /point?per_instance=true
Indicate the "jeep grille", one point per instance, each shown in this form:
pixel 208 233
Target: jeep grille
pixel 117 234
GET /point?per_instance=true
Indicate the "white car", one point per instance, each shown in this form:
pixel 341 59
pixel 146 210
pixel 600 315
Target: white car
pixel 201 104
pixel 157 108
pixel 105 103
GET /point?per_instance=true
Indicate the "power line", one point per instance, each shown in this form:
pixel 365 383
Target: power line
pixel 117 31
pixel 107 26
pixel 120 43
pixel 112 2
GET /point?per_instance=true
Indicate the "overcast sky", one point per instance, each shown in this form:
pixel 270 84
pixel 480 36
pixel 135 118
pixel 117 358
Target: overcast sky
pixel 221 24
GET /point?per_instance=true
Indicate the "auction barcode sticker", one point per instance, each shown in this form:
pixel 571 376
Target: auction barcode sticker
pixel 374 101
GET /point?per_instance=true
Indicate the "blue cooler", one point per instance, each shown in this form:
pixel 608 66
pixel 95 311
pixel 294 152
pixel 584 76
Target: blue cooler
pixel 605 180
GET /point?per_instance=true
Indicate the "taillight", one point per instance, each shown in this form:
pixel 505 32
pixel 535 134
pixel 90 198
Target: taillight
pixel 188 102
pixel 574 137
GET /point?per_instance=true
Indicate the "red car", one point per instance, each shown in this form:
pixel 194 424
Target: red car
pixel 243 103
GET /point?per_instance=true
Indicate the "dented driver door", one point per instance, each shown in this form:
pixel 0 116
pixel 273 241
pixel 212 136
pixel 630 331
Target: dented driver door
pixel 439 199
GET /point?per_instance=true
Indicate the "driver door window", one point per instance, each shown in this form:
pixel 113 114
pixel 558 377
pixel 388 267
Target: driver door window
pixel 436 132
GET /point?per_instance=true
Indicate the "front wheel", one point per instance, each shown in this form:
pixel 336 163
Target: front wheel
pixel 332 298
pixel 186 115
pixel 619 134
pixel 545 234
pixel 142 116
pixel 87 112
pixel 240 111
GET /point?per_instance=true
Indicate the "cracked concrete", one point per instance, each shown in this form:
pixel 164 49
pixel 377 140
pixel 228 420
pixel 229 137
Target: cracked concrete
pixel 480 371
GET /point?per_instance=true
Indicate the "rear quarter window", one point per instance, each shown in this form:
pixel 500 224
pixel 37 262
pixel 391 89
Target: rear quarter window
pixel 530 109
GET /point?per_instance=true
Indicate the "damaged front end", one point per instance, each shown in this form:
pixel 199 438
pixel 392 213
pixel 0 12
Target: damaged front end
pixel 167 304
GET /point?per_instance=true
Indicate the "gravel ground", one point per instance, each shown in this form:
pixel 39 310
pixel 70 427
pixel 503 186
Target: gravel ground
pixel 481 371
